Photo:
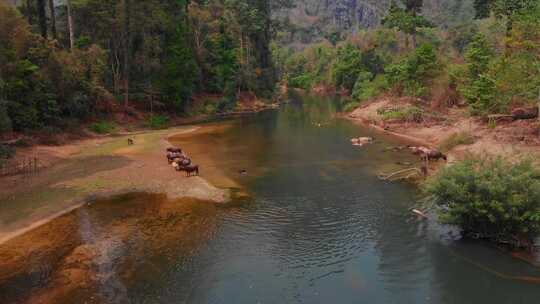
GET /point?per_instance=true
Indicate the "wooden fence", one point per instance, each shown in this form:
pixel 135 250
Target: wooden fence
pixel 27 166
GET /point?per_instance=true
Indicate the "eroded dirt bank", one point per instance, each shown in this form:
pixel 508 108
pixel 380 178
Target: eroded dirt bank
pixel 508 139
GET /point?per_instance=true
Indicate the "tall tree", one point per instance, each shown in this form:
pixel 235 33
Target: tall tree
pixel 29 11
pixel 53 18
pixel 414 8
pixel 407 19
pixel 127 42
pixel 70 24
pixel 42 16
pixel 503 9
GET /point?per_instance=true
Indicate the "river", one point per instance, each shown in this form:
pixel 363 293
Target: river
pixel 318 226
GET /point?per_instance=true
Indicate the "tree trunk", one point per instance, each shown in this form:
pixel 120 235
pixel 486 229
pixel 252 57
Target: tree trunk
pixel 414 32
pixel 414 39
pixel 42 17
pixel 126 51
pixel 70 25
pixel 29 11
pixel 53 18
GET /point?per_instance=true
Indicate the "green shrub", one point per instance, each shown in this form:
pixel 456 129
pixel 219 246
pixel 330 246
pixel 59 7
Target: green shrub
pixel 410 114
pixel 489 197
pixel 210 108
pixel 303 81
pixel 366 89
pixel 354 66
pixel 6 151
pixel 5 121
pixel 456 139
pixel 414 74
pixel 347 67
pixel 479 88
pixel 103 127
pixel 158 122
pixel 226 104
pixel 350 106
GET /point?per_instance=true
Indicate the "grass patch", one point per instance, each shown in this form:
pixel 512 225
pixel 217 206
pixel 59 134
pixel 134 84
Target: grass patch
pixel 6 152
pixel 410 114
pixel 158 122
pixel 350 106
pixel 456 139
pixel 103 127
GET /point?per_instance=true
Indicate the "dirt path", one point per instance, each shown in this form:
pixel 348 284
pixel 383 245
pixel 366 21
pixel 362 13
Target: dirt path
pixel 506 139
pixel 93 169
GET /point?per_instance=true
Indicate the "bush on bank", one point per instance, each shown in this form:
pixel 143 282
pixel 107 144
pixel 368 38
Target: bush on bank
pixel 489 198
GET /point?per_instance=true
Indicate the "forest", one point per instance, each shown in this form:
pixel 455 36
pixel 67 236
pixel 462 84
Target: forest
pixel 490 61
pixel 65 61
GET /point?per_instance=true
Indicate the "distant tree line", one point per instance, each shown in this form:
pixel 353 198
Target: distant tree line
pixel 491 63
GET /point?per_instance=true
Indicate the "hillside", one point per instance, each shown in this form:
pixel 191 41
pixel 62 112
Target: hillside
pixel 312 20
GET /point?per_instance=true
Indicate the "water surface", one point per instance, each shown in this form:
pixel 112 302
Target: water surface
pixel 318 227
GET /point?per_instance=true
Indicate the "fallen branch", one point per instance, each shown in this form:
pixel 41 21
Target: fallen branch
pixel 390 176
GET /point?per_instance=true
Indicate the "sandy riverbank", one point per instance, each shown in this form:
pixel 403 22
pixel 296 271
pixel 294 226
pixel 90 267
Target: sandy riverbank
pixel 505 139
pixel 97 168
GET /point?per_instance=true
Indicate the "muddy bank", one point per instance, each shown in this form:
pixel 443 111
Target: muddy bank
pixel 504 139
pixel 96 169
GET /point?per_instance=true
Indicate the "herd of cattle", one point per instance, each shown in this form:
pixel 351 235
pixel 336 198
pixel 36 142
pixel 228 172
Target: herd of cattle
pixel 180 162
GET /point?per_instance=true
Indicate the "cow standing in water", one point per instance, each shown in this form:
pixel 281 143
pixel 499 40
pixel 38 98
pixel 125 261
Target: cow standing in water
pixel 430 154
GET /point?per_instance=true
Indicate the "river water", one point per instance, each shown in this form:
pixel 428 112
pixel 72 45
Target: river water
pixel 318 227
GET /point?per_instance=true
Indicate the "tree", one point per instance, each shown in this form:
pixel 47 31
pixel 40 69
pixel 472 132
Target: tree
pixel 70 24
pixel 127 42
pixel 42 17
pixel 52 11
pixel 407 19
pixel 479 87
pixel 28 11
pixel 503 9
pixel 347 67
pixel 413 74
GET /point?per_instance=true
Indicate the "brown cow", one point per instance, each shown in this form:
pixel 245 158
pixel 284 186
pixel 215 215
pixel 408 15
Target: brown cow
pixel 190 170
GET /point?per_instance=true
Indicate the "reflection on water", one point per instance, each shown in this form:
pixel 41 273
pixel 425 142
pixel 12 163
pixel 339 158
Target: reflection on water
pixel 96 253
pixel 319 228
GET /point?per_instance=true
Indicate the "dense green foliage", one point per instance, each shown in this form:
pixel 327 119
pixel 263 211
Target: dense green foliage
pixel 407 19
pixel 41 83
pixel 102 127
pixel 158 122
pixel 489 197
pixel 126 53
pixel 410 114
pixel 413 74
pixel 490 66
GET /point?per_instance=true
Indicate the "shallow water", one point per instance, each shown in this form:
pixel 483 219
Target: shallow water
pixel 319 227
